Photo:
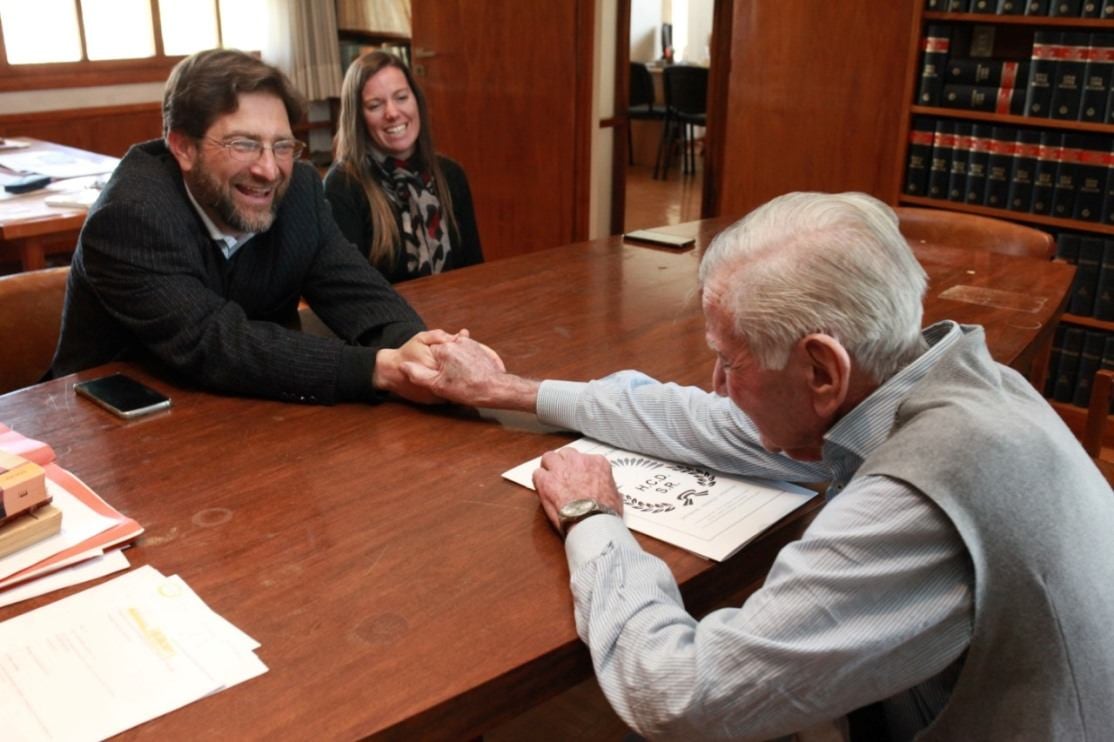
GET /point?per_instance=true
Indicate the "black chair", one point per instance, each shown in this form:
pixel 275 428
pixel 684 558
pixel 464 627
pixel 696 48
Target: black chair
pixel 686 107
pixel 641 105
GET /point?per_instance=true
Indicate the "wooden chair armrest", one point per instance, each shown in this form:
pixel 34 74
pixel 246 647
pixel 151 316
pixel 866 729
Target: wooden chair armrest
pixel 1098 411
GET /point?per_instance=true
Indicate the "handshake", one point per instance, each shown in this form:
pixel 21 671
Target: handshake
pixel 435 366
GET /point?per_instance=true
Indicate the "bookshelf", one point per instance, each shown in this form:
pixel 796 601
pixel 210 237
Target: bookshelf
pixel 1003 45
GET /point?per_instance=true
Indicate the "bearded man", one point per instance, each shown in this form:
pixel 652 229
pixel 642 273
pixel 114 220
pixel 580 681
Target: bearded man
pixel 197 252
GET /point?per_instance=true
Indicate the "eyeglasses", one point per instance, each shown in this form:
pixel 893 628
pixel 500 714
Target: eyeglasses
pixel 250 150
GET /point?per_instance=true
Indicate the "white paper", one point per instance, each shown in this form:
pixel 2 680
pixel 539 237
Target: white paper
pixel 89 569
pixel 702 510
pixel 79 522
pixel 57 164
pixel 100 662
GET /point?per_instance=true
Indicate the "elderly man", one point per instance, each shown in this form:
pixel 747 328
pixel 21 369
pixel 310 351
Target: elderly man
pixel 203 242
pixel 957 579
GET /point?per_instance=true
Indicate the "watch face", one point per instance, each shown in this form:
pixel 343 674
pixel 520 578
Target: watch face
pixel 577 508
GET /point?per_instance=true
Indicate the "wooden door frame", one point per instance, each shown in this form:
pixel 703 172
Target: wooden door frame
pixel 582 146
pixel 710 192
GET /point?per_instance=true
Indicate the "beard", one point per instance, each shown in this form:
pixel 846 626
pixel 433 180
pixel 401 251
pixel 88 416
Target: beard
pixel 214 194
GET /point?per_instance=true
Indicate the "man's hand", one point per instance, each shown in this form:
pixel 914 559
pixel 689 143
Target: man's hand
pixel 417 351
pixel 567 474
pixel 470 373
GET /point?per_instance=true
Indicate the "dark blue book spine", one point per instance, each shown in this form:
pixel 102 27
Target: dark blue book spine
pixel 943 147
pixel 977 161
pixel 1066 8
pixel 999 161
pixel 1042 73
pixel 1067 172
pixel 1082 302
pixel 1044 177
pixel 1071 64
pixel 934 60
pixel 1067 370
pixel 1097 78
pixel 1023 172
pixel 920 156
pixel 1054 360
pixel 1011 7
pixel 1090 358
pixel 957 178
pixel 1090 177
pixel 1104 300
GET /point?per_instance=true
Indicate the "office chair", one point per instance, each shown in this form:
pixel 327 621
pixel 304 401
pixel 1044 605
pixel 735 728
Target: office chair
pixel 943 227
pixel 686 107
pixel 641 106
pixel 30 322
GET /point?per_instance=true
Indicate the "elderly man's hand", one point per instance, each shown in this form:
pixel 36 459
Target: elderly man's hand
pixel 567 474
pixel 389 377
pixel 468 372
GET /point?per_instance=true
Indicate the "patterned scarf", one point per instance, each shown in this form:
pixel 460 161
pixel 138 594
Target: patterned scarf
pixel 425 244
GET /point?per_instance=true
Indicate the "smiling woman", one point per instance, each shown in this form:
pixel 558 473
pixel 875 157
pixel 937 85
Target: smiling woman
pixel 403 205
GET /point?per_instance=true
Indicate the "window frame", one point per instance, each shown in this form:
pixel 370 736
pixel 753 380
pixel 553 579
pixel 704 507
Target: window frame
pixel 88 73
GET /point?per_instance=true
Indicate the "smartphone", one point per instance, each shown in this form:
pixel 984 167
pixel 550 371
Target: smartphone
pixel 123 395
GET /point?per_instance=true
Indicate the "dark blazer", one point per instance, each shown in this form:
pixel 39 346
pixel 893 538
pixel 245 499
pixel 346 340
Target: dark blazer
pixel 353 215
pixel 147 278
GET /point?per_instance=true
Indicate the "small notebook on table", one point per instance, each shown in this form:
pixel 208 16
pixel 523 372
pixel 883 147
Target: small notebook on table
pixel 660 238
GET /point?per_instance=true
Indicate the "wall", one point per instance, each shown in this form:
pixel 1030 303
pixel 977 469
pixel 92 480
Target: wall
pixel 603 107
pixel 645 22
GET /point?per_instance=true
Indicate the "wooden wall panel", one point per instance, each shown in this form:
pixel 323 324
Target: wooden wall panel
pixel 109 130
pixel 814 99
pixel 510 96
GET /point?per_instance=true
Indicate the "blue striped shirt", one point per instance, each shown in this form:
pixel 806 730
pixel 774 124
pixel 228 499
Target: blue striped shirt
pixel 873 602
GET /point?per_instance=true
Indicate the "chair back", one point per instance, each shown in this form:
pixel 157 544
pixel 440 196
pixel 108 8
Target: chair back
pixel 686 89
pixel 942 227
pixel 30 321
pixel 641 85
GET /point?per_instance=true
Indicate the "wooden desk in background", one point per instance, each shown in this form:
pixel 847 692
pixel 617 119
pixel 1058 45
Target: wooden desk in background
pixel 398 585
pixel 29 228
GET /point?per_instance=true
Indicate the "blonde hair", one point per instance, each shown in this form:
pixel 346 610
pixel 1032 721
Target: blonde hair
pixel 353 148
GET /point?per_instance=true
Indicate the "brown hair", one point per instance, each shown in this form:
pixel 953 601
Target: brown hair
pixel 207 84
pixel 353 146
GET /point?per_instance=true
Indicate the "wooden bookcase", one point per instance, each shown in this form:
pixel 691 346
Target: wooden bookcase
pixel 1074 416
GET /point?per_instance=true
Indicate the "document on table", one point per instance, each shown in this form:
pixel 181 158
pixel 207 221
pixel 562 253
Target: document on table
pixel 704 511
pixel 114 656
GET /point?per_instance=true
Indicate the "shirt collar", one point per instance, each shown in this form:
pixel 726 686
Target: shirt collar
pixel 862 430
pixel 228 243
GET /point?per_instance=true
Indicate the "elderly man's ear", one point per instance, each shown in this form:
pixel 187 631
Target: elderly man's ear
pixel 828 370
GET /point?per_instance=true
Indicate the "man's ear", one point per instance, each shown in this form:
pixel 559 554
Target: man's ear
pixel 828 366
pixel 184 149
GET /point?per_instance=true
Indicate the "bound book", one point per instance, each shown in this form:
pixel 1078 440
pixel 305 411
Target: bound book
pixel 1067 170
pixel 1091 9
pixel 1023 171
pixel 1108 359
pixel 937 42
pixel 1107 9
pixel 1011 7
pixel 1090 176
pixel 1067 371
pixel 1108 197
pixel 943 148
pixel 999 161
pixel 959 6
pixel 1067 246
pixel 1104 299
pixel 992 72
pixel 1097 77
pixel 1037 7
pixel 1071 63
pixel 1066 8
pixel 1004 100
pixel 1085 285
pixel 1042 73
pixel 920 156
pixel 977 161
pixel 1090 358
pixel 1044 177
pixel 957 178
pixel 707 512
pixel 1054 360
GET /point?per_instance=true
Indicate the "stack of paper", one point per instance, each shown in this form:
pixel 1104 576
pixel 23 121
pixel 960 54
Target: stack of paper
pixel 90 527
pixel 116 655
pixel 707 512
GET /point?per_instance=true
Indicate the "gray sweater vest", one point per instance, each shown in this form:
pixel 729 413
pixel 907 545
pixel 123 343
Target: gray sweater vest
pixel 1038 520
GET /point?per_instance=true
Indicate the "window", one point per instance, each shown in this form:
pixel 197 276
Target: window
pixel 68 43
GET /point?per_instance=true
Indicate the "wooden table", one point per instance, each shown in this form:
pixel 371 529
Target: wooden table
pixel 29 228
pixel 397 584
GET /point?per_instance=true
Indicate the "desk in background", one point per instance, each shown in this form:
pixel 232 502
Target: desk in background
pixel 29 227
pixel 398 585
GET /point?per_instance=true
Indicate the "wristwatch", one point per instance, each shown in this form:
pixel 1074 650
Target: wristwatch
pixel 575 511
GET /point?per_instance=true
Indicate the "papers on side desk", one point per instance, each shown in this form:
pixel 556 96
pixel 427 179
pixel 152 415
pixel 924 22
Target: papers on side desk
pixel 116 655
pixel 706 512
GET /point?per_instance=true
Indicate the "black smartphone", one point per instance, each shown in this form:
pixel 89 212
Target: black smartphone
pixel 123 395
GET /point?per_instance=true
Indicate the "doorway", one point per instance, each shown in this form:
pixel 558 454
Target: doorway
pixel 658 191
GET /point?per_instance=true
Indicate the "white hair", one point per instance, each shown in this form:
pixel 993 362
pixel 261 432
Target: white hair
pixel 818 262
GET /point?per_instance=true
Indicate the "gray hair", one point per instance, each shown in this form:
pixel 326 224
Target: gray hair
pixel 819 262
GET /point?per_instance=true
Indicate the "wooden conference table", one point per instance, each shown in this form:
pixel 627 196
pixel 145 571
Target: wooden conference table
pixel 29 226
pixel 398 585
